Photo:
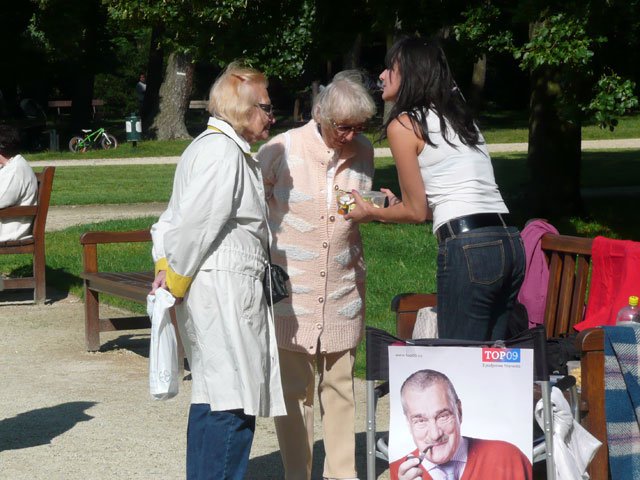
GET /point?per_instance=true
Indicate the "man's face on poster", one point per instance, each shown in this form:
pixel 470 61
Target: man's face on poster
pixel 434 420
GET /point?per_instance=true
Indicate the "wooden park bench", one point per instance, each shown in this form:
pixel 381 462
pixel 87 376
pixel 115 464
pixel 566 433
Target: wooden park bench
pixel 58 104
pixel 33 244
pixel 130 285
pixel 569 260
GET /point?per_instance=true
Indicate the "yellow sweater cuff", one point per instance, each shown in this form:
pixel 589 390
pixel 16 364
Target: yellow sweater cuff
pixel 161 264
pixel 176 283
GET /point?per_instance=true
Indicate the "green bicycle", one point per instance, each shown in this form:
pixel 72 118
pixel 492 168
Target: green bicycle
pixel 92 139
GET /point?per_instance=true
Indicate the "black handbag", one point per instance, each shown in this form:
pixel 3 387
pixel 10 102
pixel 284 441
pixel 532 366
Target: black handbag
pixel 275 281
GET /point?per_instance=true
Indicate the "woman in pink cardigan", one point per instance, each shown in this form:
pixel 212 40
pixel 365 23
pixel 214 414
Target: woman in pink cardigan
pixel 319 326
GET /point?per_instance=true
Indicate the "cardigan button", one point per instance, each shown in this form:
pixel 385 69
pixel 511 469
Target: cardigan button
pixel 323 273
pixel 321 300
pixel 325 244
pixel 336 187
pixel 332 218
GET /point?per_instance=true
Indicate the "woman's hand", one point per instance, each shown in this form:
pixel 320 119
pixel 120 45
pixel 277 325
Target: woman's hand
pixel 362 213
pixel 161 282
pixel 393 200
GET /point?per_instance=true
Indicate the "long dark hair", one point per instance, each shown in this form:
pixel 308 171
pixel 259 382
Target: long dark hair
pixel 427 83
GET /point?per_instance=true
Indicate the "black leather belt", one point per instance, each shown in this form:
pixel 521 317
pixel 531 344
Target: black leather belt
pixel 470 222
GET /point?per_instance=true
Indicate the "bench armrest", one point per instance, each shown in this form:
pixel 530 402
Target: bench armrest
pixel 590 343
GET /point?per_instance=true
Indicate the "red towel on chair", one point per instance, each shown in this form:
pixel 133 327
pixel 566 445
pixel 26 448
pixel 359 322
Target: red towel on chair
pixel 615 275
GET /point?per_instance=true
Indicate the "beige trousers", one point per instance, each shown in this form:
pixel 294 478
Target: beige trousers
pixel 337 410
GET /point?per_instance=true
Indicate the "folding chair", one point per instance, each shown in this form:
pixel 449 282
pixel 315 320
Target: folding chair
pixel 377 370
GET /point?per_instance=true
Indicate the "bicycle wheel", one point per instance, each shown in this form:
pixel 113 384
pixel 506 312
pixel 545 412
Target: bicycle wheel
pixel 108 141
pixel 76 144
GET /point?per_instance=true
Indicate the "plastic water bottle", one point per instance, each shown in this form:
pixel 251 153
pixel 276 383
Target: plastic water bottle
pixel 629 313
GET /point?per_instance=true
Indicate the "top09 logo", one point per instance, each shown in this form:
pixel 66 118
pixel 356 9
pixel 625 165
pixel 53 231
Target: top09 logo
pixel 500 355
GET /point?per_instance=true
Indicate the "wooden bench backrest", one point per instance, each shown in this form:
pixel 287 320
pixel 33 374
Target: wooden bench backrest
pixel 45 186
pixel 406 306
pixel 91 240
pixel 36 246
pixel 569 260
pixel 41 208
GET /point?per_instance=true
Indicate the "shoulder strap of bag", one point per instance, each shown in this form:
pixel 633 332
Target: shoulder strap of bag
pixel 266 221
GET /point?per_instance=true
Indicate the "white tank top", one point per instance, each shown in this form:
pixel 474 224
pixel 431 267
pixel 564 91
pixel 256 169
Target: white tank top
pixel 458 180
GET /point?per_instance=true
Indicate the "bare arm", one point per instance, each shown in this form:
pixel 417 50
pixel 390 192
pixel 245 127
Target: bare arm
pixel 405 147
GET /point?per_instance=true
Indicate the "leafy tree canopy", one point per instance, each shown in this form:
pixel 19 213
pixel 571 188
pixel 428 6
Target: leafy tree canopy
pixel 271 34
pixel 579 40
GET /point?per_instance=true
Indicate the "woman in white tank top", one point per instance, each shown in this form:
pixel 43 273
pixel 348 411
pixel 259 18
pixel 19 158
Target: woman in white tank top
pixel 439 152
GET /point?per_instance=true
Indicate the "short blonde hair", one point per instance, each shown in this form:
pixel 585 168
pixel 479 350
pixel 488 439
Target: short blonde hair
pixel 344 99
pixel 232 97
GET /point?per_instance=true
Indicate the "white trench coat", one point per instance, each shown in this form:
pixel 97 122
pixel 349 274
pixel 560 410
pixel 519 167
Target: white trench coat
pixel 212 240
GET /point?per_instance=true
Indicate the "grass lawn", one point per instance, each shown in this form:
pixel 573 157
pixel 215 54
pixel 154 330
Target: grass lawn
pixel 391 250
pixel 142 183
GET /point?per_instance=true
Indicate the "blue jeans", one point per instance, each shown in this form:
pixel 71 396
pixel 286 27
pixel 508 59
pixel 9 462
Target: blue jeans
pixel 218 443
pixel 479 275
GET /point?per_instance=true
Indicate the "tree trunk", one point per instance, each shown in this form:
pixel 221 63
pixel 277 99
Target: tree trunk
pixel 351 59
pixel 81 108
pixel 315 90
pixel 84 75
pixel 478 78
pixel 174 98
pixel 296 110
pixel 150 106
pixel 554 152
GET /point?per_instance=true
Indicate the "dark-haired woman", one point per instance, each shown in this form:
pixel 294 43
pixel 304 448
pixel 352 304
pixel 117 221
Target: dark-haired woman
pixel 438 150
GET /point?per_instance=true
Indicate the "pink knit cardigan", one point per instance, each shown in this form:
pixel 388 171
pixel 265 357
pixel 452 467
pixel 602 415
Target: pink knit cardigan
pixel 321 251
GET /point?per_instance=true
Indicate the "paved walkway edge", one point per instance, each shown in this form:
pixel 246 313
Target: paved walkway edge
pixel 379 152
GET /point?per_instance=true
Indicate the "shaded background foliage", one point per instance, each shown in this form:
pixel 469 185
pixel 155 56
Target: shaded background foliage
pixel 568 62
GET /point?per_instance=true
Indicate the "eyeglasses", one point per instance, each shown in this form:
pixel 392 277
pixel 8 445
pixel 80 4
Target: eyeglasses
pixel 345 129
pixel 266 108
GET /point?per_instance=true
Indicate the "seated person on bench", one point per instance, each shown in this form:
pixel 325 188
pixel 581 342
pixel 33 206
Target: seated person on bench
pixel 434 413
pixel 18 185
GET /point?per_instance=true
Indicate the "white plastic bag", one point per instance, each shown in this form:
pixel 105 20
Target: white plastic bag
pixel 164 374
pixel 573 446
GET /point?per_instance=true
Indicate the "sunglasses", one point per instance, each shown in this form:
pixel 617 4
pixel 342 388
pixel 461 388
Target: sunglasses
pixel 345 129
pixel 266 108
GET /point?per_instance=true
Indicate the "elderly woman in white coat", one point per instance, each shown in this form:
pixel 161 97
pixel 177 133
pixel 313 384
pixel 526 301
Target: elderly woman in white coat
pixel 210 248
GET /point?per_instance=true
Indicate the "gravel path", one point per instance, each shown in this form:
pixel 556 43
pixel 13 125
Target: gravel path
pixel 61 217
pixel 379 152
pixel 72 415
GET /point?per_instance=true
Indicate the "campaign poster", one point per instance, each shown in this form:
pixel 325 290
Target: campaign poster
pixel 464 408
